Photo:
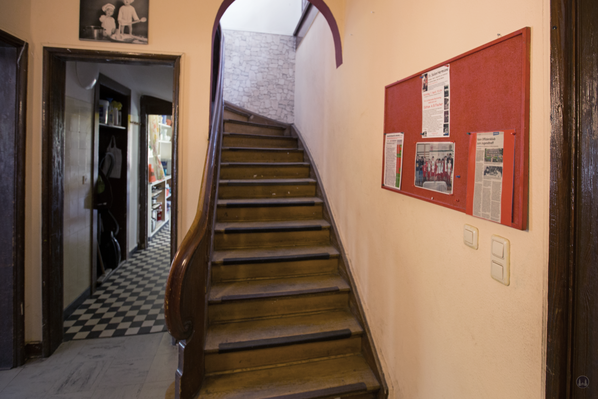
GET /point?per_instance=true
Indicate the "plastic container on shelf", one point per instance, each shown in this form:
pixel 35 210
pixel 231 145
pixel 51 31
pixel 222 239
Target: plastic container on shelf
pixel 104 110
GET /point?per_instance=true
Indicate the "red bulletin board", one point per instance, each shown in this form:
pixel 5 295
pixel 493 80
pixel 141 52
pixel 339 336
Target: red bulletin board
pixel 489 91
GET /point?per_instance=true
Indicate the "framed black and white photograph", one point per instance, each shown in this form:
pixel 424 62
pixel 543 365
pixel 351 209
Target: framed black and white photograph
pixel 119 21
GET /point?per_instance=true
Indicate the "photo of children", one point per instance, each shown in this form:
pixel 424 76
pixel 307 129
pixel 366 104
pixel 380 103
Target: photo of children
pixel 434 166
pixel 493 155
pixel 97 21
pixel 493 172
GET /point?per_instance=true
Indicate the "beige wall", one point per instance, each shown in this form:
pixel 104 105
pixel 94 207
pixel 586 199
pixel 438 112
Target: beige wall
pixel 15 18
pixel 443 327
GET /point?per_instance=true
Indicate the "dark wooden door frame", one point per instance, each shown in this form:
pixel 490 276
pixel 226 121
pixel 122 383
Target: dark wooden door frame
pixel 148 106
pixel 566 168
pixel 53 133
pixel 15 294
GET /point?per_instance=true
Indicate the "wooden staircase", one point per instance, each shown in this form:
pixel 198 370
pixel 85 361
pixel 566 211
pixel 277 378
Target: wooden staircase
pixel 282 318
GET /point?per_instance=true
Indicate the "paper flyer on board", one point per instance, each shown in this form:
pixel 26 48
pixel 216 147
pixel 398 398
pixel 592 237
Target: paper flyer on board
pixel 487 192
pixel 393 160
pixel 436 103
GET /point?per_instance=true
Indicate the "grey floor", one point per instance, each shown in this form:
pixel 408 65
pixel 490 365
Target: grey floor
pixel 140 366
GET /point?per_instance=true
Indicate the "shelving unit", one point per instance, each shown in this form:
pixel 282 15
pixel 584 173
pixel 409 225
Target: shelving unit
pixel 158 196
pixel 107 89
pixel 158 191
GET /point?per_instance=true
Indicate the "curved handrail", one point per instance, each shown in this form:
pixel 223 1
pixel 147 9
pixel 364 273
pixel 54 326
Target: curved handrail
pixel 176 307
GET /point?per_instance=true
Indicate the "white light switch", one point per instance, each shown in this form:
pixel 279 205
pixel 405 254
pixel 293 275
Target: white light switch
pixel 497 271
pixel 498 249
pixel 470 236
pixel 500 268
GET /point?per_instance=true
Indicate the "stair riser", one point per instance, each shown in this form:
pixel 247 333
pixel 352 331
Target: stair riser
pixel 258 142
pixel 262 156
pixel 263 172
pixel 269 213
pixel 217 362
pixel 223 240
pixel 258 308
pixel 231 127
pixel 233 115
pixel 266 191
pixel 272 270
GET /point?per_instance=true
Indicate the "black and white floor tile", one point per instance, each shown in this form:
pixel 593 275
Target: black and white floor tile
pixel 131 301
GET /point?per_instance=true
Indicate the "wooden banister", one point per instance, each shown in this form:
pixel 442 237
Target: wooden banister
pixel 185 302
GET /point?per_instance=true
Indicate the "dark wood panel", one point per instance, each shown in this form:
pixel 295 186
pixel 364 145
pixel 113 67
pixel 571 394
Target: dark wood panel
pixel 572 328
pixel 585 301
pixel 53 131
pixel 561 204
pixel 174 183
pixel 13 106
pixel 8 135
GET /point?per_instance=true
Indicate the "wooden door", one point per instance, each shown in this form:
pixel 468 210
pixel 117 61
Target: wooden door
pixel 585 297
pixel 572 349
pixel 13 74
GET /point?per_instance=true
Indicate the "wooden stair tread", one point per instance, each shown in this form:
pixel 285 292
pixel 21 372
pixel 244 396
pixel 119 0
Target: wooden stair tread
pixel 262 149
pixel 259 136
pixel 267 181
pixel 270 164
pixel 266 202
pixel 324 378
pixel 223 337
pixel 258 289
pixel 237 111
pixel 271 226
pixel 254 124
pixel 265 254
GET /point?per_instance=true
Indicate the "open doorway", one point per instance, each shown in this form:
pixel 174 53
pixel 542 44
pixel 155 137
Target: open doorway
pixel 13 93
pixel 117 87
pixel 155 166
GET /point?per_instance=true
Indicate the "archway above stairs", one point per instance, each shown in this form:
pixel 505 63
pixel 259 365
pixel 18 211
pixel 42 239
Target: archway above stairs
pixel 319 4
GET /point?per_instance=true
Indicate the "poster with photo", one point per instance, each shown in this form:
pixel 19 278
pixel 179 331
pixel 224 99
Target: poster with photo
pixel 117 21
pixel 393 160
pixel 434 166
pixel 436 103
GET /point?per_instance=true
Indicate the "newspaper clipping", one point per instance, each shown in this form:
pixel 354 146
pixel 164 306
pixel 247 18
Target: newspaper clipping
pixel 393 160
pixel 436 103
pixel 487 192
pixel 434 166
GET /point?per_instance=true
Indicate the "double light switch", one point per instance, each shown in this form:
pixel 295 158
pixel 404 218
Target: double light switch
pixel 500 259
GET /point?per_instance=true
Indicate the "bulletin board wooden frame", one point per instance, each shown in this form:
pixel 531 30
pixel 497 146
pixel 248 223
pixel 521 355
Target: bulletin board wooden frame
pixel 490 91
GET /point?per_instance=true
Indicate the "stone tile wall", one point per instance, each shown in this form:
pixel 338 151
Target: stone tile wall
pixel 259 73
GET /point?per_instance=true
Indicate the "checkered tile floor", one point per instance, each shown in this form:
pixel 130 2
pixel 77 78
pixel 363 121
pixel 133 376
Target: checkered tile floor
pixel 131 302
